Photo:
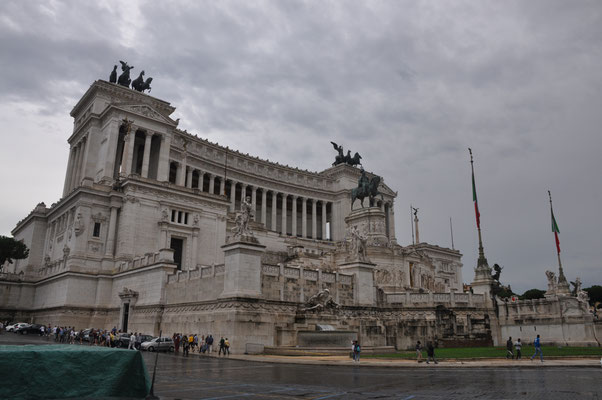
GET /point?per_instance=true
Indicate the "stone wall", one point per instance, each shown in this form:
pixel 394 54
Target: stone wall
pixel 279 282
pixel 558 320
pixel 199 284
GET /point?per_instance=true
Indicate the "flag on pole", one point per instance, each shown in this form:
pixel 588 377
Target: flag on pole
pixel 555 230
pixel 476 203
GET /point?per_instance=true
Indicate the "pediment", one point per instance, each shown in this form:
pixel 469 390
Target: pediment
pixel 146 111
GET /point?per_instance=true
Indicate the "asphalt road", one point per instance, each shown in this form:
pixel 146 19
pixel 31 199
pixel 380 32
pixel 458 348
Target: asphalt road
pixel 197 377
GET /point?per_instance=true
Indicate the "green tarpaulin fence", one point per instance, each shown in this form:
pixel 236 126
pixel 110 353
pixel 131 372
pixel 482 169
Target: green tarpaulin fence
pixel 68 371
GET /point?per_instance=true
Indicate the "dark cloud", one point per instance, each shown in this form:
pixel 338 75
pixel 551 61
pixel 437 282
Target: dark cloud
pixel 410 85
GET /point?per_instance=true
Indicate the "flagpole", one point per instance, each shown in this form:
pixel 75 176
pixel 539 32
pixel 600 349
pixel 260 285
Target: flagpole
pixel 563 286
pixel 482 261
pixel 412 225
pixel 451 231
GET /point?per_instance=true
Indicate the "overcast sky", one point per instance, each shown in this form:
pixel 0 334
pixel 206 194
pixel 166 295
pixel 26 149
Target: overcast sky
pixel 409 84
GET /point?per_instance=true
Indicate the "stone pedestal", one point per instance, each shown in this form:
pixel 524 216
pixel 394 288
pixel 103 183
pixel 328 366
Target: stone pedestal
pixel 242 261
pixel 363 287
pixel 482 280
pixel 371 223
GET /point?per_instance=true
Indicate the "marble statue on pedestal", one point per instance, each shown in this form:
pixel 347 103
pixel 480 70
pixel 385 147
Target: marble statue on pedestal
pixel 241 230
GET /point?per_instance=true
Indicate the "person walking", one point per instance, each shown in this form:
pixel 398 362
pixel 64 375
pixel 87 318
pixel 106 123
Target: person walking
pixel 132 344
pixel 222 346
pixel 210 344
pixel 517 346
pixel 418 351
pixel 176 342
pixel 509 352
pixel 227 346
pixel 185 345
pixel 430 353
pixel 356 351
pixel 537 345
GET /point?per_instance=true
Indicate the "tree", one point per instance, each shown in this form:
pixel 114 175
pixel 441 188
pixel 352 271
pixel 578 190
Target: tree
pixel 533 294
pixel 11 249
pixel 595 294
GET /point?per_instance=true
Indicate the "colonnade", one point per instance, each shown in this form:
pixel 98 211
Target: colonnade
pixel 290 223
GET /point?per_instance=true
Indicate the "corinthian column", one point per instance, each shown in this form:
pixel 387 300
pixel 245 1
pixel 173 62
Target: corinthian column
pixel 294 217
pixel 128 152
pixel 304 217
pixel 274 210
pixel 146 156
pixel 233 196
pixel 264 206
pixel 324 226
pixel 284 197
pixel 314 219
pixel 254 202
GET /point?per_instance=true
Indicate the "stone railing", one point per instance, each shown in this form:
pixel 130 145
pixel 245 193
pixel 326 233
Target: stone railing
pixel 52 268
pixel 198 272
pixel 11 277
pixel 409 299
pixel 306 274
pixel 163 255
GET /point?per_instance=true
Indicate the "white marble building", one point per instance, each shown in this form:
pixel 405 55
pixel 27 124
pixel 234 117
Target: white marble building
pixel 136 240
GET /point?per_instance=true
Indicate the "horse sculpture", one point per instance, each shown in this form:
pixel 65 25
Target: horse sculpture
pixel 140 85
pixel 355 160
pixel 124 78
pixel 371 193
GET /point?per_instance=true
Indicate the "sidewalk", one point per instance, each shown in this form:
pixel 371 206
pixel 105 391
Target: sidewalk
pixel 582 362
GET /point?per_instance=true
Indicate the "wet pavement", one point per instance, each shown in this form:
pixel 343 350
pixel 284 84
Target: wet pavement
pixel 202 377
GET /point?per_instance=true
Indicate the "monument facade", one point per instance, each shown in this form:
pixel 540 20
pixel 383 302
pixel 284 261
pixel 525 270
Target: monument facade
pixel 161 230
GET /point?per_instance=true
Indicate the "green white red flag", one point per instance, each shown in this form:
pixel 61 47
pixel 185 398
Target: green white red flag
pixel 555 230
pixel 476 203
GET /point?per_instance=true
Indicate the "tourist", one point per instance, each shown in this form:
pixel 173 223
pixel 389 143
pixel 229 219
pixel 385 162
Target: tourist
pixel 210 344
pixel 518 345
pixel 430 353
pixel 185 345
pixel 191 342
pixel 356 351
pixel 418 351
pixel 509 352
pixel 227 346
pixel 132 344
pixel 195 342
pixel 176 342
pixel 537 345
pixel 222 346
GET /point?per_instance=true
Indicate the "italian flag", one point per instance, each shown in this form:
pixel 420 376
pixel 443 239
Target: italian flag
pixel 476 203
pixel 556 231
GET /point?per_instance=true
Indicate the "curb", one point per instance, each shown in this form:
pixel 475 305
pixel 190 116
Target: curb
pixel 586 362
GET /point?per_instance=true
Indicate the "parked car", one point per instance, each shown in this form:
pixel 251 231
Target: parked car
pixel 27 329
pixel 124 340
pixel 143 338
pixel 158 344
pixel 13 327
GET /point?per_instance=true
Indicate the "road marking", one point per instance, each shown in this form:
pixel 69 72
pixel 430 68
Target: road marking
pixel 409 397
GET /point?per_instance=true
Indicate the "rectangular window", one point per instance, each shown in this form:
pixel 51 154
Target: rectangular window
pixel 173 215
pixel 96 231
pixel 185 218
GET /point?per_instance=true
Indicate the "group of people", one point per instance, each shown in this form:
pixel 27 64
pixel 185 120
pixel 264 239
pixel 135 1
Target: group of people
pixel 430 352
pixel 518 347
pixel 204 344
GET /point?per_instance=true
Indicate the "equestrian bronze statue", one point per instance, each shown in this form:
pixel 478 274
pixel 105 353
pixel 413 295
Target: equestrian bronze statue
pixel 345 159
pixel 366 187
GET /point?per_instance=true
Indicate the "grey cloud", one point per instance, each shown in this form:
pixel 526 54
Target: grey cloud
pixel 410 84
